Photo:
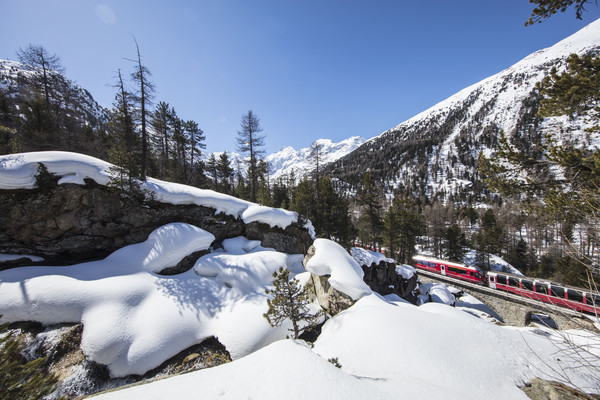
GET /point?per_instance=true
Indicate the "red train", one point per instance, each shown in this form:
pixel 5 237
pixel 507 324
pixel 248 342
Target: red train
pixel 534 288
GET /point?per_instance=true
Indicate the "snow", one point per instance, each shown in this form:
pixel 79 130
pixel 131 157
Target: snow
pixel 283 162
pixel 496 263
pixel 135 319
pixel 346 275
pixel 438 293
pixel 406 271
pixel 496 103
pixel 387 350
pixel 13 257
pixel 367 258
pixel 18 171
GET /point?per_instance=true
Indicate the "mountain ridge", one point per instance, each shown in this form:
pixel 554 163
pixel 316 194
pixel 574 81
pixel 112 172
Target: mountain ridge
pixel 434 153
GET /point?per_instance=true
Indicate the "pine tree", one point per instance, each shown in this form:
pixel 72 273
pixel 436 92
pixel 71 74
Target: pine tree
pixel 124 151
pixel 225 172
pixel 280 197
pixel 21 379
pixel 196 140
pixel 454 244
pixel 161 125
pixel 572 196
pixel 291 302
pixel 250 141
pixel 141 76
pixel 38 57
pixel 546 8
pixel 402 225
pixel 332 216
pixel 370 222
pixel 211 168
pixel 181 145
pixel 490 239
pixel 304 199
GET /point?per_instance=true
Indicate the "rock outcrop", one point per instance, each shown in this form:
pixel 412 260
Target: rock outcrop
pixel 384 279
pixel 540 389
pixel 68 223
pixel 331 300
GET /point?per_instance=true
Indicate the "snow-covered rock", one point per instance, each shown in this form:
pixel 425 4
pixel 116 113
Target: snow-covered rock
pixel 332 260
pixel 18 171
pixel 387 350
pixel 79 218
pixel 135 319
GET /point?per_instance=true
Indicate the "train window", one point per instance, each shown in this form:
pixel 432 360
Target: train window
pixel 457 270
pixel 501 279
pixel 592 300
pixel 557 292
pixel 575 295
pixel 525 284
pixel 513 282
pixel 541 288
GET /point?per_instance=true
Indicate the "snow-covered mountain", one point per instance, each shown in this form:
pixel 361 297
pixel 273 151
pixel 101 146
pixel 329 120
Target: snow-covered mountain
pixel 16 79
pixel 303 161
pixel 435 152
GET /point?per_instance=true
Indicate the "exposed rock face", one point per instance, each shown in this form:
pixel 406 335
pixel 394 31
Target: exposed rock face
pixel 540 389
pixel 69 223
pixel 330 299
pixel 77 376
pixel 383 279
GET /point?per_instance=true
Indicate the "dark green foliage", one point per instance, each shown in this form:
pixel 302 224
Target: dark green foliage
pixel 574 92
pixel 518 257
pixel 332 214
pixel 290 302
pixel 402 225
pixel 21 379
pixel 304 199
pixel 335 362
pixel 546 8
pixel 44 179
pixel 328 211
pixel 489 240
pixel 250 142
pixel 370 223
pixel 280 197
pixel 455 243
pixel 571 197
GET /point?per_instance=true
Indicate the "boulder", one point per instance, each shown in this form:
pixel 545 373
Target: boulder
pixel 330 299
pixel 384 278
pixel 540 389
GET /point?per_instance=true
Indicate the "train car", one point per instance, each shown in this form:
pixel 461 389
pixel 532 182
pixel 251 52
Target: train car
pixel 544 290
pixel 455 270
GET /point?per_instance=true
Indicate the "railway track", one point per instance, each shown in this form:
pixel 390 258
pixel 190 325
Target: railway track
pixel 539 305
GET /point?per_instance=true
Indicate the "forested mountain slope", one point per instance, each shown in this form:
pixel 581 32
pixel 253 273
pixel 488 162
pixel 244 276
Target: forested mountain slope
pixel 435 152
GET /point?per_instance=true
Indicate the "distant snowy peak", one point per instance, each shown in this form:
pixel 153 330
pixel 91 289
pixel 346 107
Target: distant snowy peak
pixel 302 162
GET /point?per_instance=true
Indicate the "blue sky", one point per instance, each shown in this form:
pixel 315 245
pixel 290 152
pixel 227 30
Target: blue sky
pixel 309 69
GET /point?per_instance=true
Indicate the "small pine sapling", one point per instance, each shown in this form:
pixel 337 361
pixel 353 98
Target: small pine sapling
pixel 290 301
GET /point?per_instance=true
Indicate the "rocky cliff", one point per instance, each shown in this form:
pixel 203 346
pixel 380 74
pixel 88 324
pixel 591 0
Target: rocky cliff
pixel 68 223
